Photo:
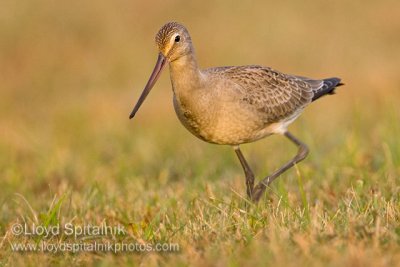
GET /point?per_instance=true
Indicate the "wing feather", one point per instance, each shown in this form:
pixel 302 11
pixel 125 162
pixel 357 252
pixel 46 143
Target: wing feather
pixel 277 95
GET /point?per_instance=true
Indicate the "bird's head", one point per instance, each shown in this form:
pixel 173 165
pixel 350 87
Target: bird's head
pixel 173 41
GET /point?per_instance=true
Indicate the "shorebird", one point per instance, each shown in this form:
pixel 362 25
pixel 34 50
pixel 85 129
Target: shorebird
pixel 233 105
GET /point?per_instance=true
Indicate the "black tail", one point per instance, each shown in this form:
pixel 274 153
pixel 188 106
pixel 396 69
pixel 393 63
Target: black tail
pixel 329 87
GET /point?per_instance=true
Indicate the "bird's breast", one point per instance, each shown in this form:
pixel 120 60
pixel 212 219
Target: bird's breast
pixel 219 121
pixel 194 116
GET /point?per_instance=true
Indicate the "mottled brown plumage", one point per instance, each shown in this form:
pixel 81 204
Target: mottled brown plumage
pixel 233 105
pixel 275 95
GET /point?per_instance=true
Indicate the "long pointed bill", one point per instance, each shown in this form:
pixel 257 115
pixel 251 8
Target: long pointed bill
pixel 152 80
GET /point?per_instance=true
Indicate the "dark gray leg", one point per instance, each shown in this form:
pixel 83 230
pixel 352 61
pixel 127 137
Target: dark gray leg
pixel 247 172
pixel 301 154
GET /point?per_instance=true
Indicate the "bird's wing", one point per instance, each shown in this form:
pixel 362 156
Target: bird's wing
pixel 277 95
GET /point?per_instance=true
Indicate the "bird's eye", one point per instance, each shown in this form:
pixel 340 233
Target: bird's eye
pixel 177 39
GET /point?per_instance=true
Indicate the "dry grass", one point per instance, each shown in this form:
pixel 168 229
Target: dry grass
pixel 70 73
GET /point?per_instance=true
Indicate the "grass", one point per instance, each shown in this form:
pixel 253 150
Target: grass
pixel 68 153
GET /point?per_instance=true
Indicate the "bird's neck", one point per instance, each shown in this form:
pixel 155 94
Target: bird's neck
pixel 185 75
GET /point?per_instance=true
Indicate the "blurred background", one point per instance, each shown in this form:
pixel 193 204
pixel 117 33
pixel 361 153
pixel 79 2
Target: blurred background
pixel 71 72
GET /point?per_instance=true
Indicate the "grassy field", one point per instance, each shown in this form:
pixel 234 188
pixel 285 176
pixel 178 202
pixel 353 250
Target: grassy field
pixel 71 72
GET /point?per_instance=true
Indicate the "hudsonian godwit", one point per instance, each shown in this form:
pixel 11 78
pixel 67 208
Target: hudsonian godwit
pixel 233 105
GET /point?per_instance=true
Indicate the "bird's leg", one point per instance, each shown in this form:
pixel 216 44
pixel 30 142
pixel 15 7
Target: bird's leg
pixel 247 171
pixel 301 154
